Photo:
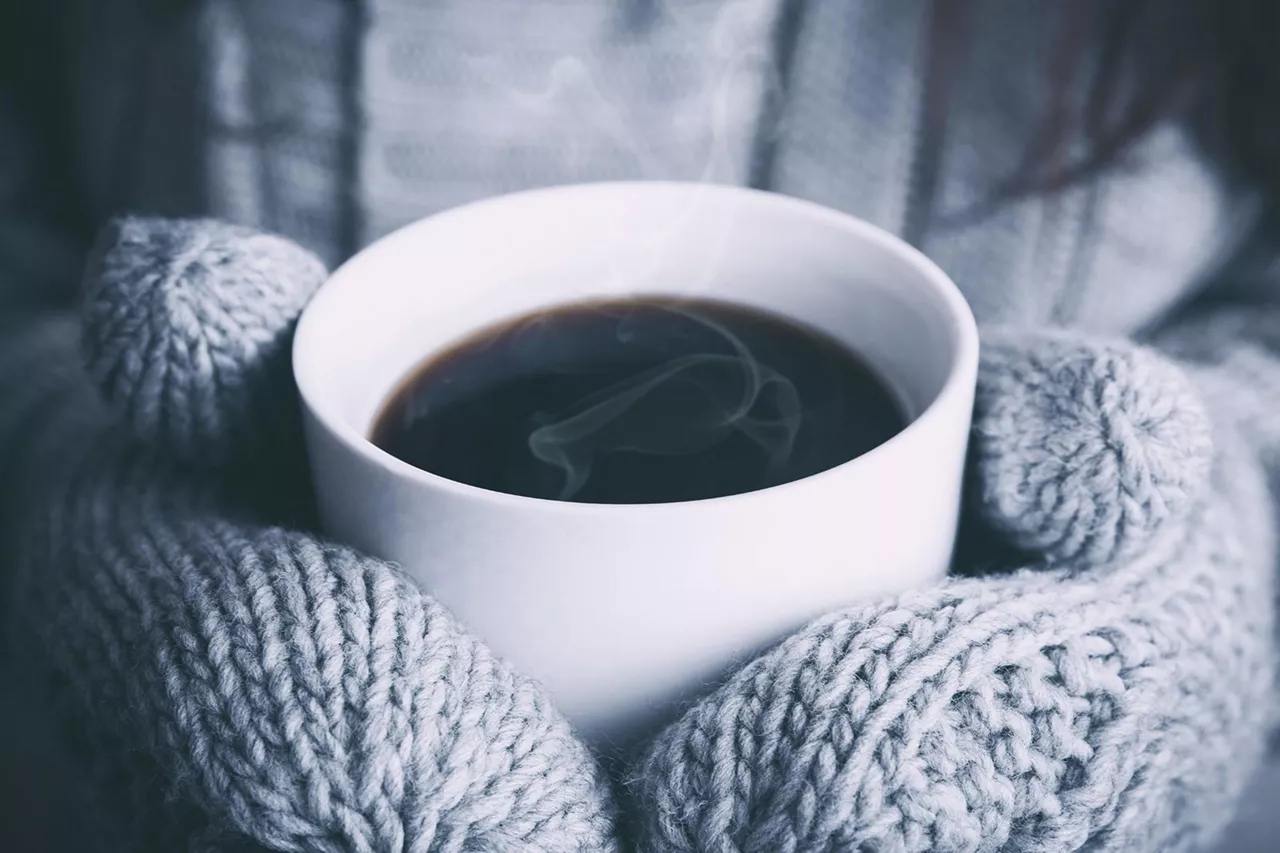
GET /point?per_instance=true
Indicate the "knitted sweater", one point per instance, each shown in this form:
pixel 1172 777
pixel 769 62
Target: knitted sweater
pixel 1107 688
pixel 335 121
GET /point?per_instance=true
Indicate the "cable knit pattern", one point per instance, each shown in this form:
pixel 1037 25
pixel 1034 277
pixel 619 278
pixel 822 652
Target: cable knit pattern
pixel 278 692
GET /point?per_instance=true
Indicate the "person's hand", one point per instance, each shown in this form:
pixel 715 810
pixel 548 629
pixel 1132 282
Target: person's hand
pixel 286 693
pixel 230 682
pixel 1111 694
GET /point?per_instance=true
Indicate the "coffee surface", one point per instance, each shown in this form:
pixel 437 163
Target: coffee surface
pixel 638 401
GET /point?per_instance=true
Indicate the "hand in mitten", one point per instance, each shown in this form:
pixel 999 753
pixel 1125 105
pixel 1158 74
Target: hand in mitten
pixel 230 683
pixel 291 694
pixel 1111 694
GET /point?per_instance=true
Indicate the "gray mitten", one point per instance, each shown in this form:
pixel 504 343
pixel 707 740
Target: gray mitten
pixel 289 694
pixel 1112 694
pixel 230 684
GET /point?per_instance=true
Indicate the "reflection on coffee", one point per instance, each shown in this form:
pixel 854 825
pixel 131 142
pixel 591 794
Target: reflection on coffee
pixel 638 401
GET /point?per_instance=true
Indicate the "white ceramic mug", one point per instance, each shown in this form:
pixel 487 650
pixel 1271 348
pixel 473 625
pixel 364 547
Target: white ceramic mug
pixel 625 612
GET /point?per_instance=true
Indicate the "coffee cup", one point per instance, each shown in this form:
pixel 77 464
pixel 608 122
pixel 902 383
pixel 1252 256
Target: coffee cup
pixel 626 612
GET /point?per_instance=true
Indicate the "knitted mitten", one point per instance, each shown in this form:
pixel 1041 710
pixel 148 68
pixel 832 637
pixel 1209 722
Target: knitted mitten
pixel 229 684
pixel 1111 694
pixel 238 685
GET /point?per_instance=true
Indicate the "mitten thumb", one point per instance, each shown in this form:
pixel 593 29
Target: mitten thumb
pixel 187 330
pixel 1083 448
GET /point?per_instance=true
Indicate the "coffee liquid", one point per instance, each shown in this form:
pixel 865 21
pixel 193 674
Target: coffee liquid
pixel 638 401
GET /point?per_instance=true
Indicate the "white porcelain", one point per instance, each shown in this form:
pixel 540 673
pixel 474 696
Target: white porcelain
pixel 626 611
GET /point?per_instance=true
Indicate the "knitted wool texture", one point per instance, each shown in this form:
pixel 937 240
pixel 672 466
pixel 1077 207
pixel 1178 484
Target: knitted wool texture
pixel 230 684
pixel 194 365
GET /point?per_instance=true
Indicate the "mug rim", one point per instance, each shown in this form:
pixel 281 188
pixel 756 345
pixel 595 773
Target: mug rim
pixel 962 363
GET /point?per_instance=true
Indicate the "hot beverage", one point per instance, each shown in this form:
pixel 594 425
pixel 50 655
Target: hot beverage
pixel 650 400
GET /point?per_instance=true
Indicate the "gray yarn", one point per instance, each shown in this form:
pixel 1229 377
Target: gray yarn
pixel 1111 703
pixel 1235 352
pixel 194 355
pixel 1114 710
pixel 275 691
pixel 1086 444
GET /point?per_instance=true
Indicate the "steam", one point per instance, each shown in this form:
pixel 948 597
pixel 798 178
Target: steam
pixel 569 104
pixel 573 107
pixel 686 405
pixel 607 111
pixel 691 402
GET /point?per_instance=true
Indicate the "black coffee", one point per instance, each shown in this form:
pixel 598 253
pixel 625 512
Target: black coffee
pixel 644 401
